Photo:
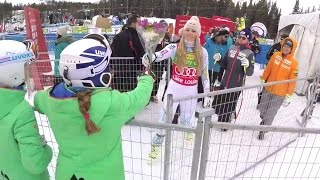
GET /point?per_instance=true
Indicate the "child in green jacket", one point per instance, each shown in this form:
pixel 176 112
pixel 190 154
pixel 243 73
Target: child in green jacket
pixel 86 116
pixel 24 155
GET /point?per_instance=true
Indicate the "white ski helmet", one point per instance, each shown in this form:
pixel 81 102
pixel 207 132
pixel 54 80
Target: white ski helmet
pixel 13 56
pixel 85 63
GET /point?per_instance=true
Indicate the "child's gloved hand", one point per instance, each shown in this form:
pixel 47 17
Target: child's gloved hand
pixel 147 72
pixel 245 62
pixel 217 57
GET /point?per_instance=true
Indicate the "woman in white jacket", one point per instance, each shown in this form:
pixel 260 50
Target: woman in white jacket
pixel 189 61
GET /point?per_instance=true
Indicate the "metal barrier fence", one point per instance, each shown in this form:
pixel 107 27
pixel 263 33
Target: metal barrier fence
pixel 239 134
pixel 219 150
pixel 136 142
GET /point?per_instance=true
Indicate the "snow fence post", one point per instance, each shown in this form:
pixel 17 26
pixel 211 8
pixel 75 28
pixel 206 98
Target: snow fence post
pixel 169 111
pixel 201 145
pixel 311 101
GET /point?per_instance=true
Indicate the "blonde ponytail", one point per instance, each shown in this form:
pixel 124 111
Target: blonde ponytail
pixel 84 100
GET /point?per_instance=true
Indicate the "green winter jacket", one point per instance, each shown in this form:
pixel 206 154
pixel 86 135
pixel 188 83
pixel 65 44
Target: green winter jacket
pixel 22 153
pixel 61 44
pixel 98 156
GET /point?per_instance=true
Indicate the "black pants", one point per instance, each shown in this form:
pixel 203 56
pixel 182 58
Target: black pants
pixel 225 105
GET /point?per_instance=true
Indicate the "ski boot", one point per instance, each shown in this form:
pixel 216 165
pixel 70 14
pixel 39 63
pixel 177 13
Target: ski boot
pixel 261 135
pixel 188 136
pixel 156 147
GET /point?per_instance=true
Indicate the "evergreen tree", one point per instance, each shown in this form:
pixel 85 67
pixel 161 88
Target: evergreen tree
pixel 296 8
pixel 301 11
pixel 243 11
pixel 307 10
pixel 237 10
pixel 263 11
pixel 251 13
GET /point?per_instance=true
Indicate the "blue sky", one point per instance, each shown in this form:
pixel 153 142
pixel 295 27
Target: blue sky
pixel 285 5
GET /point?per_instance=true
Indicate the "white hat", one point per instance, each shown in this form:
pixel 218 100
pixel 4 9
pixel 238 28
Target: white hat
pixel 193 23
pixel 62 30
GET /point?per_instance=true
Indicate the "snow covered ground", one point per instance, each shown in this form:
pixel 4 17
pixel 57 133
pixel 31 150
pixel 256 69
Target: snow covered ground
pixel 229 152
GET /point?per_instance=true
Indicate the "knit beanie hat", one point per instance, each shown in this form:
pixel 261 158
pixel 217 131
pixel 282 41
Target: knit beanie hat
pixel 62 30
pixel 283 36
pixel 246 32
pixel 288 42
pixel 193 23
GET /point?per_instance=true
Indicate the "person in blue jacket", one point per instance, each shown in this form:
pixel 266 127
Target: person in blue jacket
pixel 217 46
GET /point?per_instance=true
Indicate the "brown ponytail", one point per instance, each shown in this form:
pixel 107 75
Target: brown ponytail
pixel 84 100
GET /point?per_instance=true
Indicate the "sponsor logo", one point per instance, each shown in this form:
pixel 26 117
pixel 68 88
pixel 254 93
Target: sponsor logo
pixel 187 71
pixel 183 81
pixel 285 66
pixel 172 46
pixel 17 57
pixel 286 61
pixel 163 52
pixel 101 53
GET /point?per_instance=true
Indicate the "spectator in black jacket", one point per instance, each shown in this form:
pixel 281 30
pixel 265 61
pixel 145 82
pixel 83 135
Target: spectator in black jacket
pixel 238 63
pixel 276 47
pixel 127 44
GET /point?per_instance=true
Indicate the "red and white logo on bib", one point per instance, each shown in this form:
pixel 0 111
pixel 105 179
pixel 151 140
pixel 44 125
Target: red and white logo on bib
pixel 188 77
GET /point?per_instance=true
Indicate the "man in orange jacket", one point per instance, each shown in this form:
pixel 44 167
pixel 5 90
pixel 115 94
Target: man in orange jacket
pixel 282 66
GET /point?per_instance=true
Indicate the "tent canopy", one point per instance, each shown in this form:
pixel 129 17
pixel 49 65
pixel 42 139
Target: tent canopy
pixel 305 28
pixel 309 21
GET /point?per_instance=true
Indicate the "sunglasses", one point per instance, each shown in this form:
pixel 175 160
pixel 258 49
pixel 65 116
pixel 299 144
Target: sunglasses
pixel 242 37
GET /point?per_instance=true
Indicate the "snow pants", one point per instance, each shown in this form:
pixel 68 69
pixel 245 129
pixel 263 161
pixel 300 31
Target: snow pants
pixel 269 106
pixel 187 107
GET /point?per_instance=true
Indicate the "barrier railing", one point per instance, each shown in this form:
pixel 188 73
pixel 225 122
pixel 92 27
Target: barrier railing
pixel 228 149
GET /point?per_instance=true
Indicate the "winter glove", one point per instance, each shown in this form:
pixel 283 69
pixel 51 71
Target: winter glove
pixel 207 102
pixel 245 62
pixel 216 57
pixel 146 60
pixel 287 100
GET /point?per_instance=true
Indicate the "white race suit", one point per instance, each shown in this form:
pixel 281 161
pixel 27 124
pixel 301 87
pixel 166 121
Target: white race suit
pixel 183 83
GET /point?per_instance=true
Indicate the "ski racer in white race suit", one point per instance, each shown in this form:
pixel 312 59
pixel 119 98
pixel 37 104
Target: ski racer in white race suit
pixel 189 61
